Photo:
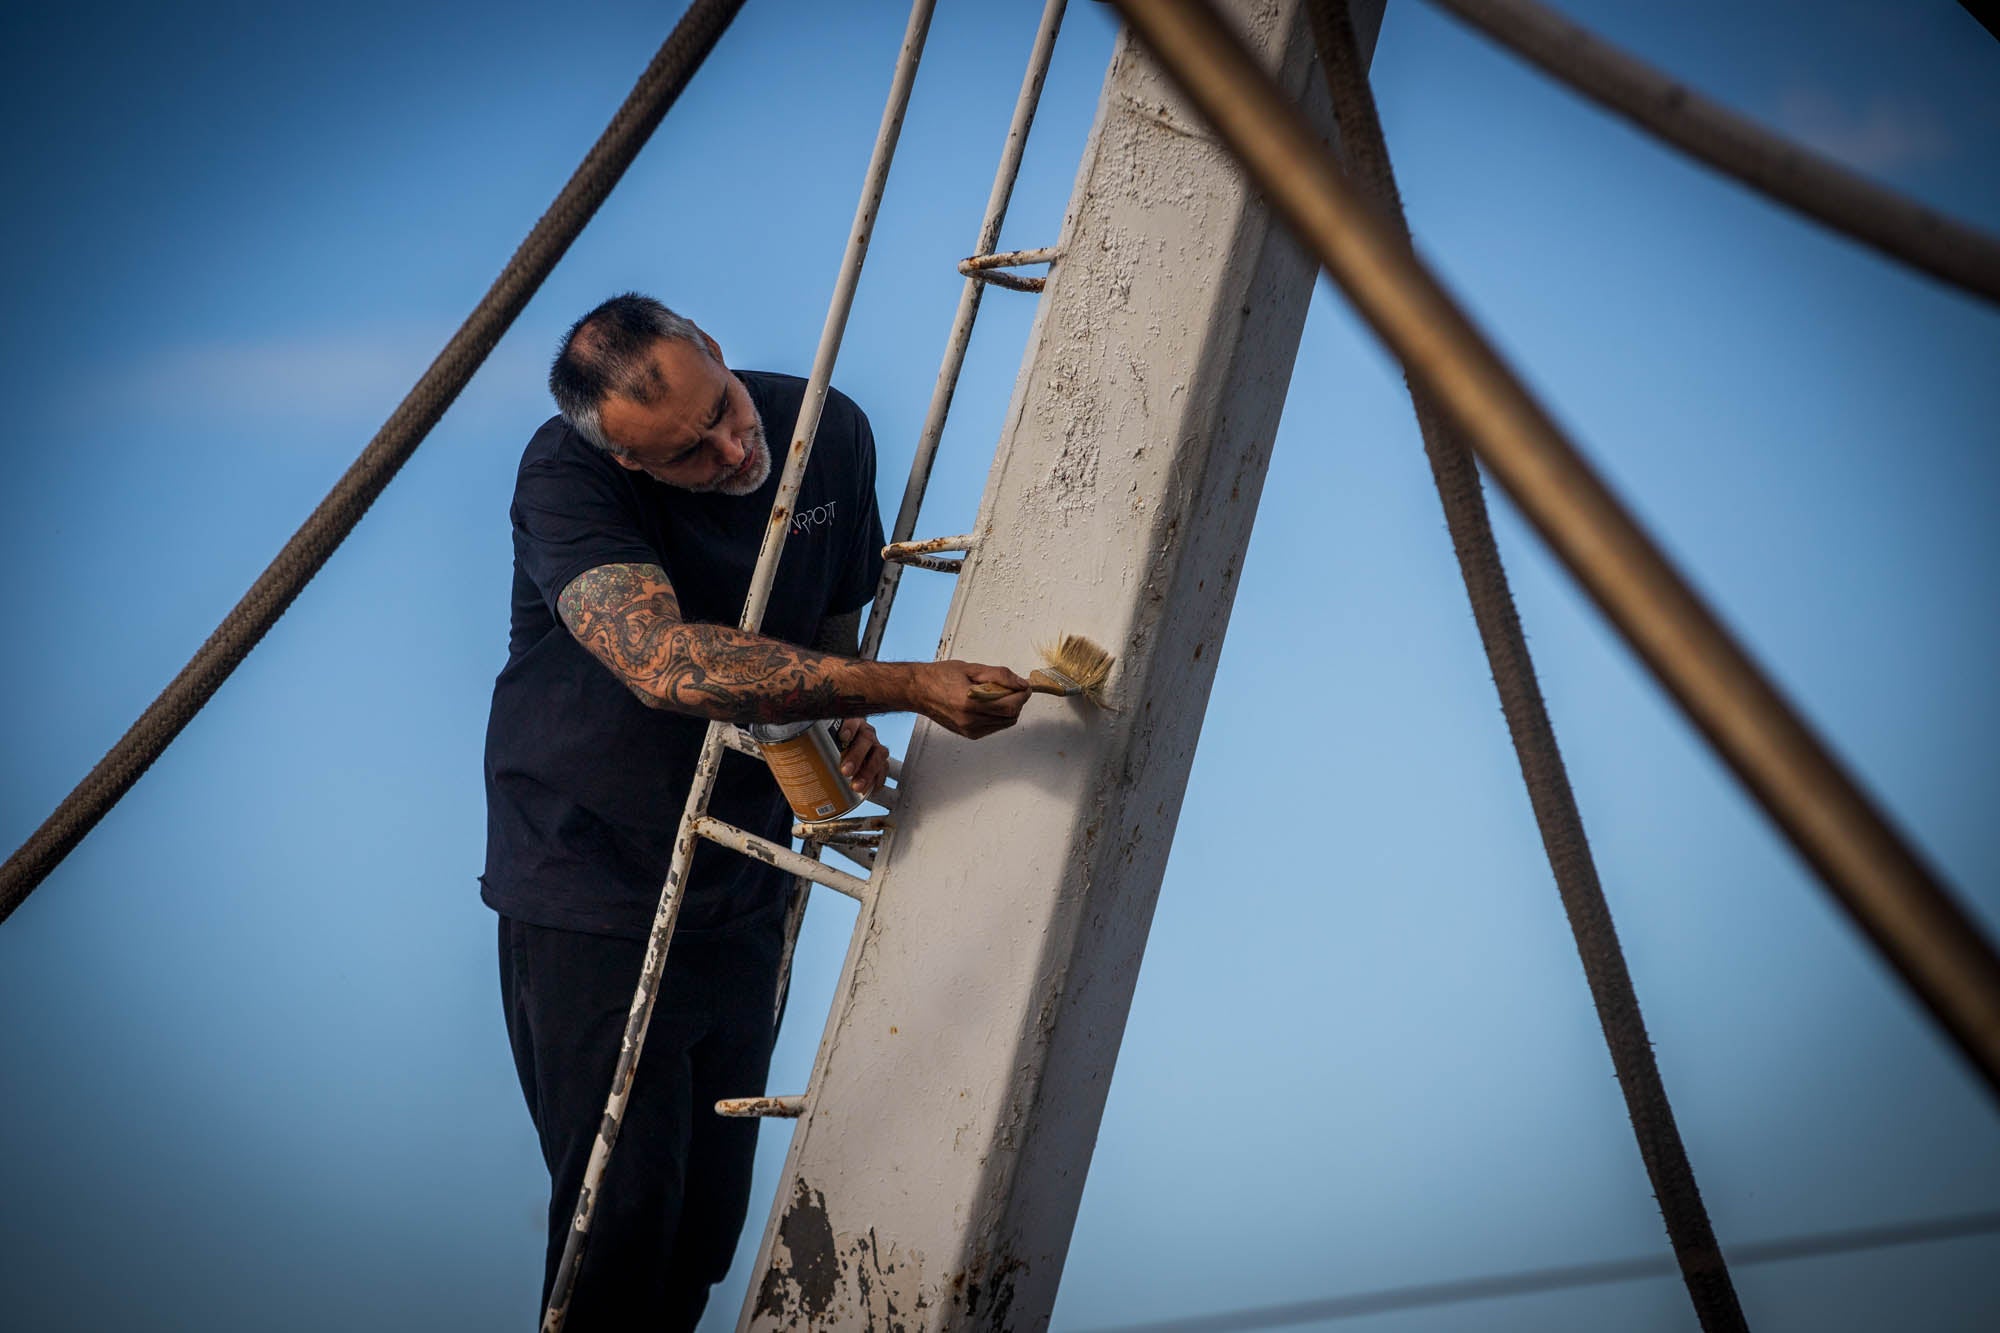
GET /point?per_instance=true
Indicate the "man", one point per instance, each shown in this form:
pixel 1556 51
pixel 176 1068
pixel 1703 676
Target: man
pixel 637 517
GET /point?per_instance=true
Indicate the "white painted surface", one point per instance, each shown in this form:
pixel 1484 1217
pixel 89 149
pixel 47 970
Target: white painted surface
pixel 935 1177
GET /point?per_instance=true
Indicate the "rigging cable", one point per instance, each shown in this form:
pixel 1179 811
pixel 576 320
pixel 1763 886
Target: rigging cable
pixel 1776 168
pixel 672 66
pixel 1365 154
pixel 1876 874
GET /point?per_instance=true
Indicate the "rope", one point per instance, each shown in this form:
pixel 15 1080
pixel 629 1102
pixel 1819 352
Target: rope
pixel 1793 176
pixel 1366 156
pixel 314 543
pixel 1876 874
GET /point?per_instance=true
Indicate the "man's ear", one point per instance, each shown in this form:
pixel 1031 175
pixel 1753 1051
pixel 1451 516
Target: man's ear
pixel 624 461
pixel 714 349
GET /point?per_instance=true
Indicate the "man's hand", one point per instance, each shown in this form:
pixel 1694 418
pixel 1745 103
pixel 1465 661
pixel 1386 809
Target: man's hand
pixel 942 692
pixel 863 759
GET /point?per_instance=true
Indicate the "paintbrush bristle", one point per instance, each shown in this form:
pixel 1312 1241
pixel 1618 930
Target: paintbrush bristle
pixel 1082 661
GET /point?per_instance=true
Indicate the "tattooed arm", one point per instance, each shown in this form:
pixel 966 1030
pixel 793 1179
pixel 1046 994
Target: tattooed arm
pixel 630 620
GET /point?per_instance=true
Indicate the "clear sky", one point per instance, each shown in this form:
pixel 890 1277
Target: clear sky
pixel 255 1070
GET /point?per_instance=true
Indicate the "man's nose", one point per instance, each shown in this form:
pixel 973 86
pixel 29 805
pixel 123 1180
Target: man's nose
pixel 729 451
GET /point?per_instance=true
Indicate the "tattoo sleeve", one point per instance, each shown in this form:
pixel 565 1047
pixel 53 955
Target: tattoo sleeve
pixel 630 620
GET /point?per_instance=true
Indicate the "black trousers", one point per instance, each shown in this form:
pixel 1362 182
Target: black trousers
pixel 673 1201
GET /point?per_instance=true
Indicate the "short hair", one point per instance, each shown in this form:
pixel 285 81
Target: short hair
pixel 606 353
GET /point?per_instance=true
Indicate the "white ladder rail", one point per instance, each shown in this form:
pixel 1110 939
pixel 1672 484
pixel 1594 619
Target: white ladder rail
pixel 960 337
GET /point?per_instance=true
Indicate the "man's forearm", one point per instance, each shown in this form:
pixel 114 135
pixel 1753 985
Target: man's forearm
pixel 627 617
pixel 725 674
pixel 630 619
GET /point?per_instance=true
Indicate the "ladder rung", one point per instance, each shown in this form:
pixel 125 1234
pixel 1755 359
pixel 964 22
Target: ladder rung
pixel 925 554
pixel 838 830
pixel 964 541
pixel 942 564
pixel 986 268
pixel 848 842
pixel 783 1108
pixel 784 858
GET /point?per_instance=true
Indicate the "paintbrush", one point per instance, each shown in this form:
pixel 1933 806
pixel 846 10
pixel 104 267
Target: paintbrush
pixel 1072 665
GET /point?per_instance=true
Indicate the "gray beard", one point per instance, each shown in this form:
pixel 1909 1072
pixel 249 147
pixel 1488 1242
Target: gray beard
pixel 758 461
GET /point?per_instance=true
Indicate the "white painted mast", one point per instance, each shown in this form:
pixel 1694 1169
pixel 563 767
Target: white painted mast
pixel 935 1173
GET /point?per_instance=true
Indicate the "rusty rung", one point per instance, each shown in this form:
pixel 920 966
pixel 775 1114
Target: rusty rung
pixel 941 564
pixel 964 541
pixel 782 1108
pixel 847 840
pixel 831 830
pixel 924 554
pixel 1010 281
pixel 1008 259
pixel 784 858
pixel 860 847
pixel 986 268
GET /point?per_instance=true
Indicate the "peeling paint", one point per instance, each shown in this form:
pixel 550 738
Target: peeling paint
pixel 820 1281
pixel 802 1280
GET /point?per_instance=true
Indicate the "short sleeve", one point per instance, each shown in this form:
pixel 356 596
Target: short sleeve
pixel 571 516
pixel 862 568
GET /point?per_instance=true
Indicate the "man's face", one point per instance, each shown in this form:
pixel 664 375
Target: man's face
pixel 700 431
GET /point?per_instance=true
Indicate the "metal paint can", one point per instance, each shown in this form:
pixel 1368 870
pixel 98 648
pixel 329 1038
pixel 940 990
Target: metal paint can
pixel 805 759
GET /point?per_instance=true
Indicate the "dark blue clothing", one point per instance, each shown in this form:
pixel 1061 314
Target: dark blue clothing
pixel 584 784
pixel 677 1190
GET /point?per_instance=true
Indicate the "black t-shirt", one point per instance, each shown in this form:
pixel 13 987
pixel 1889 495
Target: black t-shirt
pixel 584 784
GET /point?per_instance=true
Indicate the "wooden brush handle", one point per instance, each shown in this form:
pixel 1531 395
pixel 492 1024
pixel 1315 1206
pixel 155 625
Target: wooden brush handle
pixel 1039 683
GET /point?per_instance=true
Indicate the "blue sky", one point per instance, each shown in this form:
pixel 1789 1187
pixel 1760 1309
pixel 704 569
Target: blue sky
pixel 256 1070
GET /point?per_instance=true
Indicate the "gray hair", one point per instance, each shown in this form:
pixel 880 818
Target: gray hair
pixel 607 352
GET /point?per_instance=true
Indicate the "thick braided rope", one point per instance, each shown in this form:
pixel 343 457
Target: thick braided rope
pixel 1365 155
pixel 310 547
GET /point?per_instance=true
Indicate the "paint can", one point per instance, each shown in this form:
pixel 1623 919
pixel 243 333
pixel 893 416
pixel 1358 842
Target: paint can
pixel 805 759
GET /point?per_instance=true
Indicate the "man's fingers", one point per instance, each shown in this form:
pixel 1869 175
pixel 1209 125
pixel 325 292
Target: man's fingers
pixel 1007 705
pixel 874 769
pixel 857 741
pixel 1000 676
pixel 993 676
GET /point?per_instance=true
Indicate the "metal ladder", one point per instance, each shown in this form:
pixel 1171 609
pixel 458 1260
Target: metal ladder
pixel 862 839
